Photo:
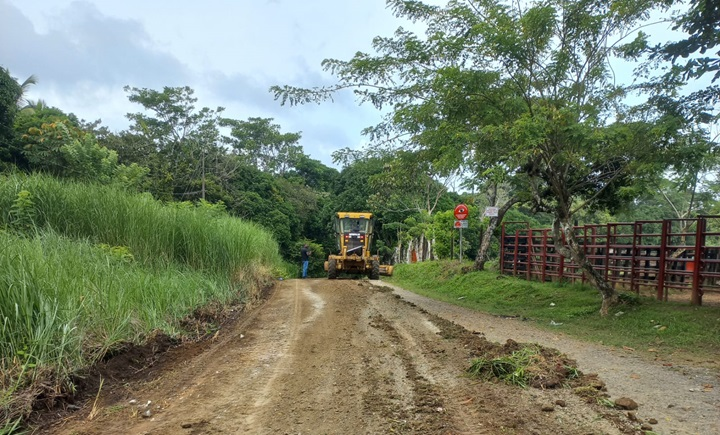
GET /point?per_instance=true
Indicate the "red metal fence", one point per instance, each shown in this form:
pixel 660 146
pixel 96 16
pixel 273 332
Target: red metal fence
pixel 666 256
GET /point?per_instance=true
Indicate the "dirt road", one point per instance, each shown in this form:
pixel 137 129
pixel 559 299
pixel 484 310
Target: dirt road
pixel 331 357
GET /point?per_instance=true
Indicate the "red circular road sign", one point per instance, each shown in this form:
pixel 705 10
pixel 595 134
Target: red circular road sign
pixel 461 212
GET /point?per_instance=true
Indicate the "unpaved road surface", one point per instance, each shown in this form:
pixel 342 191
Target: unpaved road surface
pixel 343 357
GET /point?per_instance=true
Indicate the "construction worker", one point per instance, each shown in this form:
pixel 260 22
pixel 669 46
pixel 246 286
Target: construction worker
pixel 305 254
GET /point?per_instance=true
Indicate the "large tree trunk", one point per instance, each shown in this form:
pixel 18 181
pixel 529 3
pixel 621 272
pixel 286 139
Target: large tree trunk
pixel 573 251
pixel 481 257
pixel 397 255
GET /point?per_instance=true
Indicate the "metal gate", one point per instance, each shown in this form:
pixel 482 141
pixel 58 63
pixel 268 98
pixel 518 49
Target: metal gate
pixel 667 255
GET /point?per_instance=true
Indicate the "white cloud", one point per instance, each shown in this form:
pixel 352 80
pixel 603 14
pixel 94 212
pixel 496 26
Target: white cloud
pixel 229 51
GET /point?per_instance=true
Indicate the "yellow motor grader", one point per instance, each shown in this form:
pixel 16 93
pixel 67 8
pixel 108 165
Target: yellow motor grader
pixel 354 231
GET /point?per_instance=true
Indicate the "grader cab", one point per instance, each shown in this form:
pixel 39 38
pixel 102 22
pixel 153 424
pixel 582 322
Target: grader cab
pixel 354 232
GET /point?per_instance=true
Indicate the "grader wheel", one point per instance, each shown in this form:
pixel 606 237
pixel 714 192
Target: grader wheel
pixel 375 272
pixel 332 269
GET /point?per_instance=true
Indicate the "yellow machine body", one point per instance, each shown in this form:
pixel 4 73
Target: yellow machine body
pixel 354 232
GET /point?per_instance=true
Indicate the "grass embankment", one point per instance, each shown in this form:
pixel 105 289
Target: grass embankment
pixel 648 326
pixel 86 269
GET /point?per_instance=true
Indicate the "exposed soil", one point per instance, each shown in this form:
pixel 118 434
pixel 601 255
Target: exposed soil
pixel 354 357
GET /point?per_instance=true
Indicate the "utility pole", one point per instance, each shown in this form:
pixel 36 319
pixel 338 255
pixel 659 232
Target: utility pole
pixel 202 190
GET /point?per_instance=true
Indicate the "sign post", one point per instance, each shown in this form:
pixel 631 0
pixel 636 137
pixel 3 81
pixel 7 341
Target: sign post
pixel 461 214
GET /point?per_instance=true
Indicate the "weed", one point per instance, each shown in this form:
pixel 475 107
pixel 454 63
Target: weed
pixel 121 253
pixel 604 401
pixel 95 410
pixel 11 427
pixel 629 299
pixel 22 212
pixel 573 372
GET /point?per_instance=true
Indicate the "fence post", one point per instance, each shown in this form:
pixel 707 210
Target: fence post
pixel 585 253
pixel 607 255
pixel 699 242
pixel 515 255
pixel 661 266
pixel 528 253
pixel 544 255
pixel 502 248
pixel 633 254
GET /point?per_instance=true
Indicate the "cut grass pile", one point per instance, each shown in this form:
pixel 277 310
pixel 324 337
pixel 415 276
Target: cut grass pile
pixel 528 365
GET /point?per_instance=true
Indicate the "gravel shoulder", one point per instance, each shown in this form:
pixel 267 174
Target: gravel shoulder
pixel 683 399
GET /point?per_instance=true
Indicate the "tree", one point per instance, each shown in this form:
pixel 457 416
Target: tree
pixel 551 116
pixel 681 89
pixel 22 100
pixel 679 86
pixel 409 185
pixel 260 143
pixel 700 22
pixel 698 163
pixel 186 140
pixel 313 173
pixel 28 125
pixel 10 91
pixel 503 204
pixel 63 150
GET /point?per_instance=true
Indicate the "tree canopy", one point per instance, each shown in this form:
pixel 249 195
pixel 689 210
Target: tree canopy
pixel 10 91
pixel 524 89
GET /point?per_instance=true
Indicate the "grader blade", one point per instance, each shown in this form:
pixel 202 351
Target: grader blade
pixel 386 270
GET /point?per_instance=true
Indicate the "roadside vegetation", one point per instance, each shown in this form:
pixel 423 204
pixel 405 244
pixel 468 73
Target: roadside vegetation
pixel 88 269
pixel 665 330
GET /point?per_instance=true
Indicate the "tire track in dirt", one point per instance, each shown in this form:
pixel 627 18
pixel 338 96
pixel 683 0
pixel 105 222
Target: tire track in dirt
pixel 321 390
pixel 219 390
pixel 299 309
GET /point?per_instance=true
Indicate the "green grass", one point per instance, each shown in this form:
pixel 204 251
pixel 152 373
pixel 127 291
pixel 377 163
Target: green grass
pixel 86 269
pixel 649 326
pixel 158 234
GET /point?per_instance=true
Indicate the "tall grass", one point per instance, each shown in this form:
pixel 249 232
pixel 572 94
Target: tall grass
pixel 153 232
pixel 64 304
pixel 85 269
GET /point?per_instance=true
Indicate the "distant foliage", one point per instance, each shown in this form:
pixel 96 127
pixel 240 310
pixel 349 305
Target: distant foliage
pixel 9 93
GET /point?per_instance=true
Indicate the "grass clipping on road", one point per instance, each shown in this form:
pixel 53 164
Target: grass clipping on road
pixel 668 331
pixel 521 364
pixel 528 365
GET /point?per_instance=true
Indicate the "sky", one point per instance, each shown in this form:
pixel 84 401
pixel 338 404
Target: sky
pixel 84 52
